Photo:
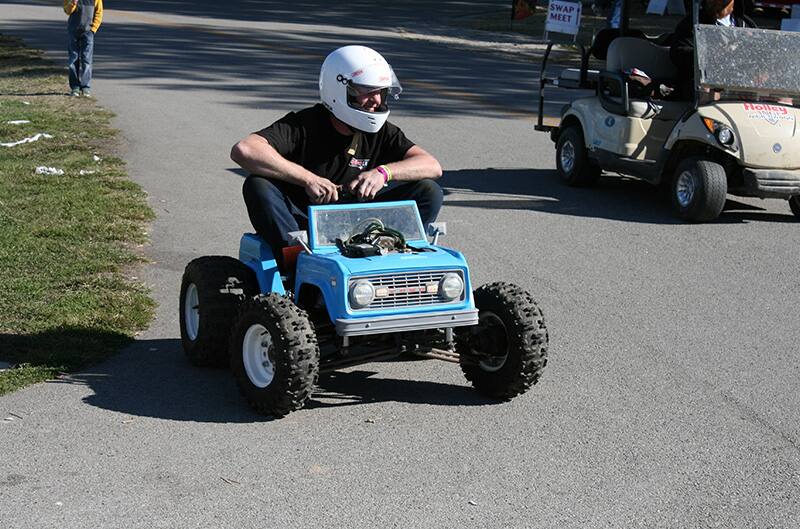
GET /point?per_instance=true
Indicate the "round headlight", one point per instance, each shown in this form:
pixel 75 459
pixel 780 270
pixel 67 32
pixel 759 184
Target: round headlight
pixel 451 286
pixel 361 294
pixel 725 136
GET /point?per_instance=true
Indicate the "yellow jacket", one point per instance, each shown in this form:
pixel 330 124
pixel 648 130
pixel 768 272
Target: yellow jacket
pixel 70 6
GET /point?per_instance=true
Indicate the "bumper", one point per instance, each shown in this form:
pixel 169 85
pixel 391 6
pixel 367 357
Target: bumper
pixel 772 183
pixel 406 322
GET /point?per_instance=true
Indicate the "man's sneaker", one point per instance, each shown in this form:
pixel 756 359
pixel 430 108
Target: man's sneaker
pixel 75 92
pixel 87 92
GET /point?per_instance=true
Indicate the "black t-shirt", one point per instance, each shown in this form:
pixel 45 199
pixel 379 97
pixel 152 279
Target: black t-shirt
pixel 309 139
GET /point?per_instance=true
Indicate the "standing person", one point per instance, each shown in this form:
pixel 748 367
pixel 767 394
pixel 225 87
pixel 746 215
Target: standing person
pixel 614 18
pixel 341 146
pixel 85 17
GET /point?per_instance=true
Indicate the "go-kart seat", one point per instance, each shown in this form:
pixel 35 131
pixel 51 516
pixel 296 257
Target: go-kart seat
pixel 625 53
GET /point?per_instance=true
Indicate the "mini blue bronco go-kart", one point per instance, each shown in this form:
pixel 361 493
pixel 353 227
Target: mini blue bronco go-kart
pixel 364 283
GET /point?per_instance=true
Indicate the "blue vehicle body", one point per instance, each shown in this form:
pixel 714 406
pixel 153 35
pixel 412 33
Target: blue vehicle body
pixel 408 279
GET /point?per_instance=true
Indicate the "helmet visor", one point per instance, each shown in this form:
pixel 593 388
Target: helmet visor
pixel 383 85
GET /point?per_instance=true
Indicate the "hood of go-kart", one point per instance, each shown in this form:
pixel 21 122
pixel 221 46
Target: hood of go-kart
pixel 437 258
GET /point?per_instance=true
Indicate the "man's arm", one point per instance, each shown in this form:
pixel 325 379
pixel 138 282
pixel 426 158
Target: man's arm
pixel 98 15
pixel 255 155
pixel 417 164
pixel 70 6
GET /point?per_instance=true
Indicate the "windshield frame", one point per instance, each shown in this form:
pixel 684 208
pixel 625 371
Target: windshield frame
pixel 314 212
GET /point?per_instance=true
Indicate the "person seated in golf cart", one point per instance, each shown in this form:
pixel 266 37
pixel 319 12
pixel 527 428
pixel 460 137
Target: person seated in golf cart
pixel 341 150
pixel 712 12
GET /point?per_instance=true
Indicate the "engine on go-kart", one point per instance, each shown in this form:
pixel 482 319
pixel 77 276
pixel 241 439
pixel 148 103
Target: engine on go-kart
pixel 371 237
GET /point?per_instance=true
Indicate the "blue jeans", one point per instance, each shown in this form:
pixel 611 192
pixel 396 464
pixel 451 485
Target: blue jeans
pixel 80 49
pixel 615 14
pixel 274 214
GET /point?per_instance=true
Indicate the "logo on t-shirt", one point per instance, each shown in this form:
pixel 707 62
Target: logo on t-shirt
pixel 359 164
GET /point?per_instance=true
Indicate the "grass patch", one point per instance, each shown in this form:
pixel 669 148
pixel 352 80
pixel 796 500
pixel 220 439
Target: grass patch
pixel 67 241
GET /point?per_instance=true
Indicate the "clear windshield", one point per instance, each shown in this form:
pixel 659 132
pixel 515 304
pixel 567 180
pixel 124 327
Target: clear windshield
pixel 332 224
pixel 742 61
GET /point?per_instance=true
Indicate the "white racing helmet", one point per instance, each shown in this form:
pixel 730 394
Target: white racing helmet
pixel 353 70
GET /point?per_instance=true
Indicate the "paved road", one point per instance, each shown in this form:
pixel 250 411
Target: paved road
pixel 670 399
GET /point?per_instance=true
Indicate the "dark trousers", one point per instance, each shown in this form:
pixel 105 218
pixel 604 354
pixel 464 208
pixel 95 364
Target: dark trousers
pixel 274 214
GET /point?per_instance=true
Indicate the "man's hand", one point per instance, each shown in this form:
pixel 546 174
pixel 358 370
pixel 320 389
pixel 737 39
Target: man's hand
pixel 322 191
pixel 366 185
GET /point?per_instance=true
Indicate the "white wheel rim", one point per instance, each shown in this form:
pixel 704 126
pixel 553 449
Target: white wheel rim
pixel 256 348
pixel 496 363
pixel 685 189
pixel 567 156
pixel 191 312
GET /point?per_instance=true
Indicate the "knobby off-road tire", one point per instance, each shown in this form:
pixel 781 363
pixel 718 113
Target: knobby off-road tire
pixel 274 355
pixel 572 161
pixel 794 205
pixel 212 290
pixel 698 190
pixel 504 355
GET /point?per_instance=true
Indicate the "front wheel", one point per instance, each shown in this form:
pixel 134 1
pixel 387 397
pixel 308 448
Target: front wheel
pixel 274 355
pixel 794 205
pixel 504 355
pixel 572 162
pixel 698 190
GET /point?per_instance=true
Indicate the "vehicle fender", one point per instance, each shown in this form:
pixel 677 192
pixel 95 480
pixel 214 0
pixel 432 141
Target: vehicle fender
pixel 692 129
pixel 580 112
pixel 571 117
pixel 327 276
pixel 257 255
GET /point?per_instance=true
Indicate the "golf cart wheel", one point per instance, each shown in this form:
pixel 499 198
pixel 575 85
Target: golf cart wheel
pixel 794 204
pixel 212 289
pixel 274 355
pixel 699 189
pixel 504 355
pixel 572 161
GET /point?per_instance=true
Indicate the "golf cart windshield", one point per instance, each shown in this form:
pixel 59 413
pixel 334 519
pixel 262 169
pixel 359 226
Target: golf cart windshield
pixel 745 61
pixel 342 222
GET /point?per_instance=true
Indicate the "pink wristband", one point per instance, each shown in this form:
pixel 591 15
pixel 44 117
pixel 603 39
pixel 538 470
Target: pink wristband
pixel 382 170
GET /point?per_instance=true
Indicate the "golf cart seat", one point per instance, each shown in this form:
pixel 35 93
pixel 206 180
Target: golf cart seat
pixel 625 53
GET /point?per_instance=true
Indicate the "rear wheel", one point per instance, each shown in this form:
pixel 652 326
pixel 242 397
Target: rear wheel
pixel 572 161
pixel 504 355
pixel 212 289
pixel 274 355
pixel 794 204
pixel 698 190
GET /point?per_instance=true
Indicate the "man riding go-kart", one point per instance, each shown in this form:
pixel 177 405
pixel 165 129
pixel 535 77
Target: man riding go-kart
pixel 345 145
pixel 341 271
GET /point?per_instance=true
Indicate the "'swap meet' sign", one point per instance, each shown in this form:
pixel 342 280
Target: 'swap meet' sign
pixel 563 16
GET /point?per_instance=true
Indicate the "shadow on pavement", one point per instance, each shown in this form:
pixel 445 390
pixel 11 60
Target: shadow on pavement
pixel 364 14
pixel 346 388
pixel 612 197
pixel 153 379
pixel 279 69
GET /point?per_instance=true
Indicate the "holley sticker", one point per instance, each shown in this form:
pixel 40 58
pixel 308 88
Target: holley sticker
pixel 772 114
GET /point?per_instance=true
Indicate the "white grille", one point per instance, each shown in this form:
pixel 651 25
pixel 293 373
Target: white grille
pixel 406 290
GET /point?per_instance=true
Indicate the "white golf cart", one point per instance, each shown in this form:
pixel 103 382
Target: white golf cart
pixel 738 134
